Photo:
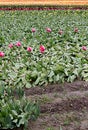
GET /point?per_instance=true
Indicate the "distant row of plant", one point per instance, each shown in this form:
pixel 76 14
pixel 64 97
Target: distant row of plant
pixel 44 7
pixel 41 48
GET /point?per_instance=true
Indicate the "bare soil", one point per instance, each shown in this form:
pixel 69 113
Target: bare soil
pixel 62 106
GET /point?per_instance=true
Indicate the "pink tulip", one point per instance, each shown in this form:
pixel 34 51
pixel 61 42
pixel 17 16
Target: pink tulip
pixel 60 32
pixel 42 49
pixel 76 30
pixel 2 54
pixel 18 44
pixel 84 48
pixel 48 30
pixel 33 30
pixel 10 45
pixel 29 49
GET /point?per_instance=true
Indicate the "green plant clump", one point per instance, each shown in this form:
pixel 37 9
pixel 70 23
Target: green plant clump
pixel 17 113
pixel 15 109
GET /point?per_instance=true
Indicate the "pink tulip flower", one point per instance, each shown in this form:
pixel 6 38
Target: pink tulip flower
pixel 2 54
pixel 33 30
pixel 29 49
pixel 42 49
pixel 10 45
pixel 18 44
pixel 60 32
pixel 84 48
pixel 48 30
pixel 76 30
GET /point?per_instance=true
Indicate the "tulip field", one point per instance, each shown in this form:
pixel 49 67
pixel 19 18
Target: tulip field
pixel 42 47
pixel 44 58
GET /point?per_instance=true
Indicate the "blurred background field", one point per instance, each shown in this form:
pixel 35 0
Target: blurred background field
pixel 44 2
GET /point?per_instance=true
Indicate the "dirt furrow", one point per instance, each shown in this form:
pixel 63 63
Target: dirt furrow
pixel 65 87
pixel 67 121
pixel 65 105
pixel 62 106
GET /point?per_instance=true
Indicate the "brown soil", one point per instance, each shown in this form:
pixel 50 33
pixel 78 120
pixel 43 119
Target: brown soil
pixel 62 106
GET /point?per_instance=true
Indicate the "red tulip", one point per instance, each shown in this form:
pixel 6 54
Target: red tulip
pixel 29 49
pixel 18 44
pixel 84 48
pixel 2 54
pixel 42 49
pixel 48 30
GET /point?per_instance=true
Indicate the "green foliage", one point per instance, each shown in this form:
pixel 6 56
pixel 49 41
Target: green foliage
pixel 63 60
pixel 15 109
pixel 16 113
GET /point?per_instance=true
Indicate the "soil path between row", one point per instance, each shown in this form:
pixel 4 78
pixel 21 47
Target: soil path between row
pixel 62 106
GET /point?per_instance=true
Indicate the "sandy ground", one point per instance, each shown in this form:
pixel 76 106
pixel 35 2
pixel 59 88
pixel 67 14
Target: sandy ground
pixel 39 2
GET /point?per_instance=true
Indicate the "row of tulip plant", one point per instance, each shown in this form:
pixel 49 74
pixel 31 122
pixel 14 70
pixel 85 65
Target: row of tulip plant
pixel 51 47
pixel 41 48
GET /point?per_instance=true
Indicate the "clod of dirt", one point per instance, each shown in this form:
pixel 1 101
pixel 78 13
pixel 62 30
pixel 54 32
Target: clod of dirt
pixel 84 125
